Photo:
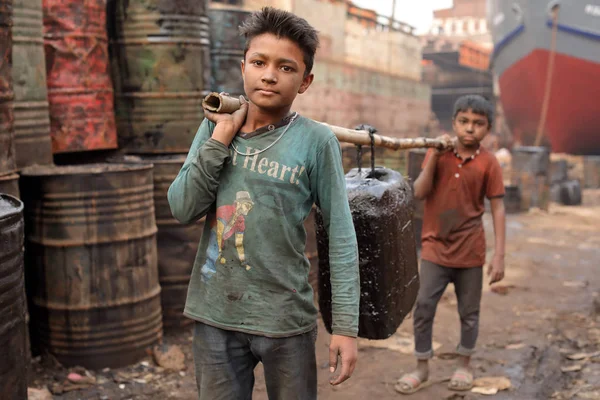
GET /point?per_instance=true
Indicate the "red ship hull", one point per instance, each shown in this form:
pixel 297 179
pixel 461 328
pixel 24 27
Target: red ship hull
pixel 573 119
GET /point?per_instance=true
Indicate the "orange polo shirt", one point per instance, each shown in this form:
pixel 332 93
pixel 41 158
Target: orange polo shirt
pixel 453 233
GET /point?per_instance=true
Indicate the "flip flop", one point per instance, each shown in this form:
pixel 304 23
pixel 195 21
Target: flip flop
pixel 463 377
pixel 413 381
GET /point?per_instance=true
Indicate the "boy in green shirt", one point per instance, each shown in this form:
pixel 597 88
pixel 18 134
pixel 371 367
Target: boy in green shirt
pixel 255 174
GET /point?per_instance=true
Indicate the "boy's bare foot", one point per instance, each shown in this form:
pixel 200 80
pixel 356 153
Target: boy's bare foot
pixel 416 380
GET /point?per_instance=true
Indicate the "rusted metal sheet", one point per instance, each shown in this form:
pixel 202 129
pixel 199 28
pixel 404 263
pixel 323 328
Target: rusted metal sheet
pixel 177 243
pixel 9 184
pixel 13 332
pixel 591 172
pixel 161 68
pixel 7 149
pixel 92 275
pixel 227 50
pixel 32 122
pixel 80 90
pixel 382 212
pixel 530 171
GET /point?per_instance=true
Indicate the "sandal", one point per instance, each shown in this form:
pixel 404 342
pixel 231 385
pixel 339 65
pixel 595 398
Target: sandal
pixel 411 383
pixel 461 381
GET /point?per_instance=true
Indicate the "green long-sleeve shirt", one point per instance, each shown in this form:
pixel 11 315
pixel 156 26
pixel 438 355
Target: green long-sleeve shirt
pixel 250 273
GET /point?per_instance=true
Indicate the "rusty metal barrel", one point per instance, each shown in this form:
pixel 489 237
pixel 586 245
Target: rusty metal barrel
pixel 80 90
pixel 227 49
pixel 381 202
pixel 161 68
pixel 530 171
pixel 13 328
pixel 92 276
pixel 9 184
pixel 591 172
pixel 7 149
pixel 32 121
pixel 177 243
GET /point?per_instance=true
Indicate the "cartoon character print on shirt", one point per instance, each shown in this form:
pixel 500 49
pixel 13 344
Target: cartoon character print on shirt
pixel 230 223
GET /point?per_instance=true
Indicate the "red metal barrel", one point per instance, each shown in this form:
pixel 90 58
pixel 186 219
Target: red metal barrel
pixel 7 150
pixel 13 332
pixel 92 277
pixel 80 90
pixel 161 68
pixel 32 123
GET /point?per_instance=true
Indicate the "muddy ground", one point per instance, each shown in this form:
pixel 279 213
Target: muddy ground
pixel 544 314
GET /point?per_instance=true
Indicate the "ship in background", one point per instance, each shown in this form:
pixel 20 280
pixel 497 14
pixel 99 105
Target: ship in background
pixel 540 76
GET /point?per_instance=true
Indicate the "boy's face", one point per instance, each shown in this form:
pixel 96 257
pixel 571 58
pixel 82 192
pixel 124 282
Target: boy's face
pixel 273 72
pixel 470 128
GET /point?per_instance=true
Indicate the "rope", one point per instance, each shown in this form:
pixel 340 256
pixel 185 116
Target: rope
pixel 359 157
pixel 371 131
pixel 549 73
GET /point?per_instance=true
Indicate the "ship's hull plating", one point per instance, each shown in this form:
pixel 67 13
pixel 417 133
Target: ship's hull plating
pixel 522 37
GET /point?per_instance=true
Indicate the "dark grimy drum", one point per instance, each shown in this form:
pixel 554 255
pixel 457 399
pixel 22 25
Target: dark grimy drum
pixel 13 332
pixel 7 149
pixel 92 277
pixel 161 68
pixel 9 184
pixel 530 171
pixel 227 50
pixel 591 172
pixel 381 202
pixel 32 123
pixel 177 243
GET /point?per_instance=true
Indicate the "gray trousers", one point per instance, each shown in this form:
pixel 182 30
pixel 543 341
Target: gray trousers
pixel 467 285
pixel 225 362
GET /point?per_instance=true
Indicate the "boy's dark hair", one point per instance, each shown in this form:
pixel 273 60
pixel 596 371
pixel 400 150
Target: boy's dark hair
pixel 476 103
pixel 282 24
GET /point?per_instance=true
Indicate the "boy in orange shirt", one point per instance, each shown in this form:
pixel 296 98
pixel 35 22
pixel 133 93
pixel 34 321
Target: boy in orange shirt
pixel 454 185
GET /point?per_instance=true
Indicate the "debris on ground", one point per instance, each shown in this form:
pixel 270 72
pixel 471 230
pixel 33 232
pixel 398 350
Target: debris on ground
pixel 575 284
pixel 38 394
pixel 491 385
pixel 169 357
pixel 399 341
pixel 571 368
pixel 502 289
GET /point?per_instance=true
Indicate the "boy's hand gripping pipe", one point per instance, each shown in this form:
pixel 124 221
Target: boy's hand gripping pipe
pixel 222 103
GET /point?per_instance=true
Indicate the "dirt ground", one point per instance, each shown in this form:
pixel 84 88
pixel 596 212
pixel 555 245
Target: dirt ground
pixel 548 310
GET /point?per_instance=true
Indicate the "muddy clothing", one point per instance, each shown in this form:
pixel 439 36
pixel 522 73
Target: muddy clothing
pixel 467 286
pixel 225 360
pixel 250 274
pixel 453 233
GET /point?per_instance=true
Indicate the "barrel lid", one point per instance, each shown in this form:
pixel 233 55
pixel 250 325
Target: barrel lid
pixel 149 159
pixel 530 149
pixel 83 169
pixel 228 9
pixel 9 177
pixel 9 206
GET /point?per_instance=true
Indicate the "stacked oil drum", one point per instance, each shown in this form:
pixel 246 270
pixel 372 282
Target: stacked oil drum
pixel 99 103
pixel 160 58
